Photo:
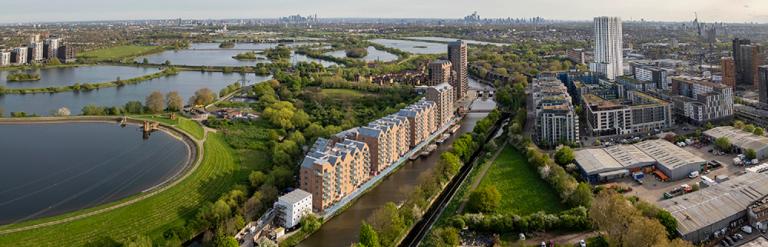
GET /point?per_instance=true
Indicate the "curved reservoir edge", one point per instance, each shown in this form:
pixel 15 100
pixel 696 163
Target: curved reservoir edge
pixel 188 166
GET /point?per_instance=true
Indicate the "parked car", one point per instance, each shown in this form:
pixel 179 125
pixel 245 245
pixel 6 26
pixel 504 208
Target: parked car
pixel 694 174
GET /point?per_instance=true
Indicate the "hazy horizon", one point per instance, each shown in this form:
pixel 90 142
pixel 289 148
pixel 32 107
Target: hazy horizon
pixel 734 11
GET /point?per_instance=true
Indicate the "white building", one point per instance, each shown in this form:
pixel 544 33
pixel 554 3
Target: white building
pixel 291 207
pixel 53 47
pixel 20 53
pixel 443 95
pixel 608 47
pixel 5 58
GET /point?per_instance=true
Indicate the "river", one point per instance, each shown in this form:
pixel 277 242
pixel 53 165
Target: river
pixel 54 168
pixel 344 229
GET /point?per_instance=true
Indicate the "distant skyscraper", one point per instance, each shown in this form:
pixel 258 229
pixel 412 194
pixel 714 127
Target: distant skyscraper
pixel 751 59
pixel 608 47
pixel 729 71
pixel 737 58
pixel 457 53
pixel 439 72
pixel 763 84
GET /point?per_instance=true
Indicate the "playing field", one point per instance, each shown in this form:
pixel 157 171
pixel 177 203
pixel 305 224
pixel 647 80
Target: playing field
pixel 118 52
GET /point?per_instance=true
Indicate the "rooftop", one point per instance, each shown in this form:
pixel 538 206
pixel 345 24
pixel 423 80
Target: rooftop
pixel 739 138
pixel 705 207
pixel 294 196
pixel 645 153
pixel 667 154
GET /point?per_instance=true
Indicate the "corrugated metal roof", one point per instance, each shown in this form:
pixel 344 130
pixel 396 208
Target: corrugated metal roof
pixel 739 138
pixel 708 206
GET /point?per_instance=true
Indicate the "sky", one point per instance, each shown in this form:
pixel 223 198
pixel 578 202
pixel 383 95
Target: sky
pixel 13 11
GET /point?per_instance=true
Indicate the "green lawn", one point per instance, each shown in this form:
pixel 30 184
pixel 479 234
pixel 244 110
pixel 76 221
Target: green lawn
pixel 217 173
pixel 118 52
pixel 342 93
pixel 188 125
pixel 522 190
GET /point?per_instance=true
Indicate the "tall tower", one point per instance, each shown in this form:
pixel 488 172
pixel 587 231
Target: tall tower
pixel 457 54
pixel 763 84
pixel 439 72
pixel 729 71
pixel 609 44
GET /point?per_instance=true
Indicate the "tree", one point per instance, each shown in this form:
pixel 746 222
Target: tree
pixel 155 102
pixel 368 237
pixel 54 61
pixel 138 241
pixel 134 107
pixel 388 223
pixel 257 178
pixel 443 236
pixel 723 144
pixel 484 200
pixel 709 125
pixel 202 97
pixel 145 61
pixel 738 124
pixel 174 101
pixel 564 155
pixel 582 196
pixel 310 223
pixel 93 110
pixel 759 131
pixel 61 112
pixel 749 128
pixel 751 154
pixel 280 114
pixel 300 119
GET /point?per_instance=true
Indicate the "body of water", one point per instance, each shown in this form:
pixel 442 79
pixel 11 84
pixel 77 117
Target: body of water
pixel 416 47
pixel 56 77
pixel 373 55
pixel 186 83
pixel 209 54
pixel 446 40
pixel 54 168
pixel 344 229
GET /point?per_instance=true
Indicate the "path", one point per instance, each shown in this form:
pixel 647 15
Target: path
pixel 197 163
pixel 480 176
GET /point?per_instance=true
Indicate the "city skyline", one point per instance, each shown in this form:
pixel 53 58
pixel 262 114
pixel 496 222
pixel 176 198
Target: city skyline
pixel 737 11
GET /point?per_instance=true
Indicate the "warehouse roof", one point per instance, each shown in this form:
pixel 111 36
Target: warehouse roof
pixel 739 138
pixel 708 206
pixel 668 155
pixel 629 155
pixel 596 161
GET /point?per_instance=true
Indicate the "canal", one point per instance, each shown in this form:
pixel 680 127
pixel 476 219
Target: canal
pixel 344 229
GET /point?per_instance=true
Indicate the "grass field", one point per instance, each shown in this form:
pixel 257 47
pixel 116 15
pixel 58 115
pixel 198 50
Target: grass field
pixel 118 52
pixel 217 173
pixel 342 93
pixel 522 190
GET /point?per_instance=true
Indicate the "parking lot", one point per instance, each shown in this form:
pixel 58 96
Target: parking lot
pixel 652 190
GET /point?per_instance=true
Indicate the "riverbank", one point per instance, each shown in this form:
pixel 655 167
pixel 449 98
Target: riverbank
pixel 148 214
pixel 91 86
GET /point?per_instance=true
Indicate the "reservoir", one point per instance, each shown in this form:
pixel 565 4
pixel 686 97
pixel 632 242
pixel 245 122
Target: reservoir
pixel 186 83
pixel 415 47
pixel 373 55
pixel 54 168
pixel 209 54
pixel 66 76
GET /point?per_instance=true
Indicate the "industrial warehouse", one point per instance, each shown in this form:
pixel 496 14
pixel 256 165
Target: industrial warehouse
pixel 659 157
pixel 741 140
pixel 721 209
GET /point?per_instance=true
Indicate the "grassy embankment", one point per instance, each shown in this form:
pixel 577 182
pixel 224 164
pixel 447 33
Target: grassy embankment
pixel 119 53
pixel 151 216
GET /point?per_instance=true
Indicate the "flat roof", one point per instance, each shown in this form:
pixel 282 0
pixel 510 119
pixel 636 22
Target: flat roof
pixel 294 196
pixel 705 207
pixel 739 138
pixel 646 153
pixel 758 242
pixel 668 155
pixel 594 161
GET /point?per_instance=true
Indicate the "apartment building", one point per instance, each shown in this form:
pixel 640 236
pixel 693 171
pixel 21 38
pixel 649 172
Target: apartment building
pixel 700 100
pixel 439 72
pixel 292 207
pixel 637 113
pixel 577 55
pixel 5 58
pixel 401 134
pixel 728 66
pixel 656 76
pixel 422 119
pixel 442 95
pixel 334 169
pixel 556 120
pixel 457 54
pixel 19 55
pixel 609 56
pixel 67 54
pixel 51 46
